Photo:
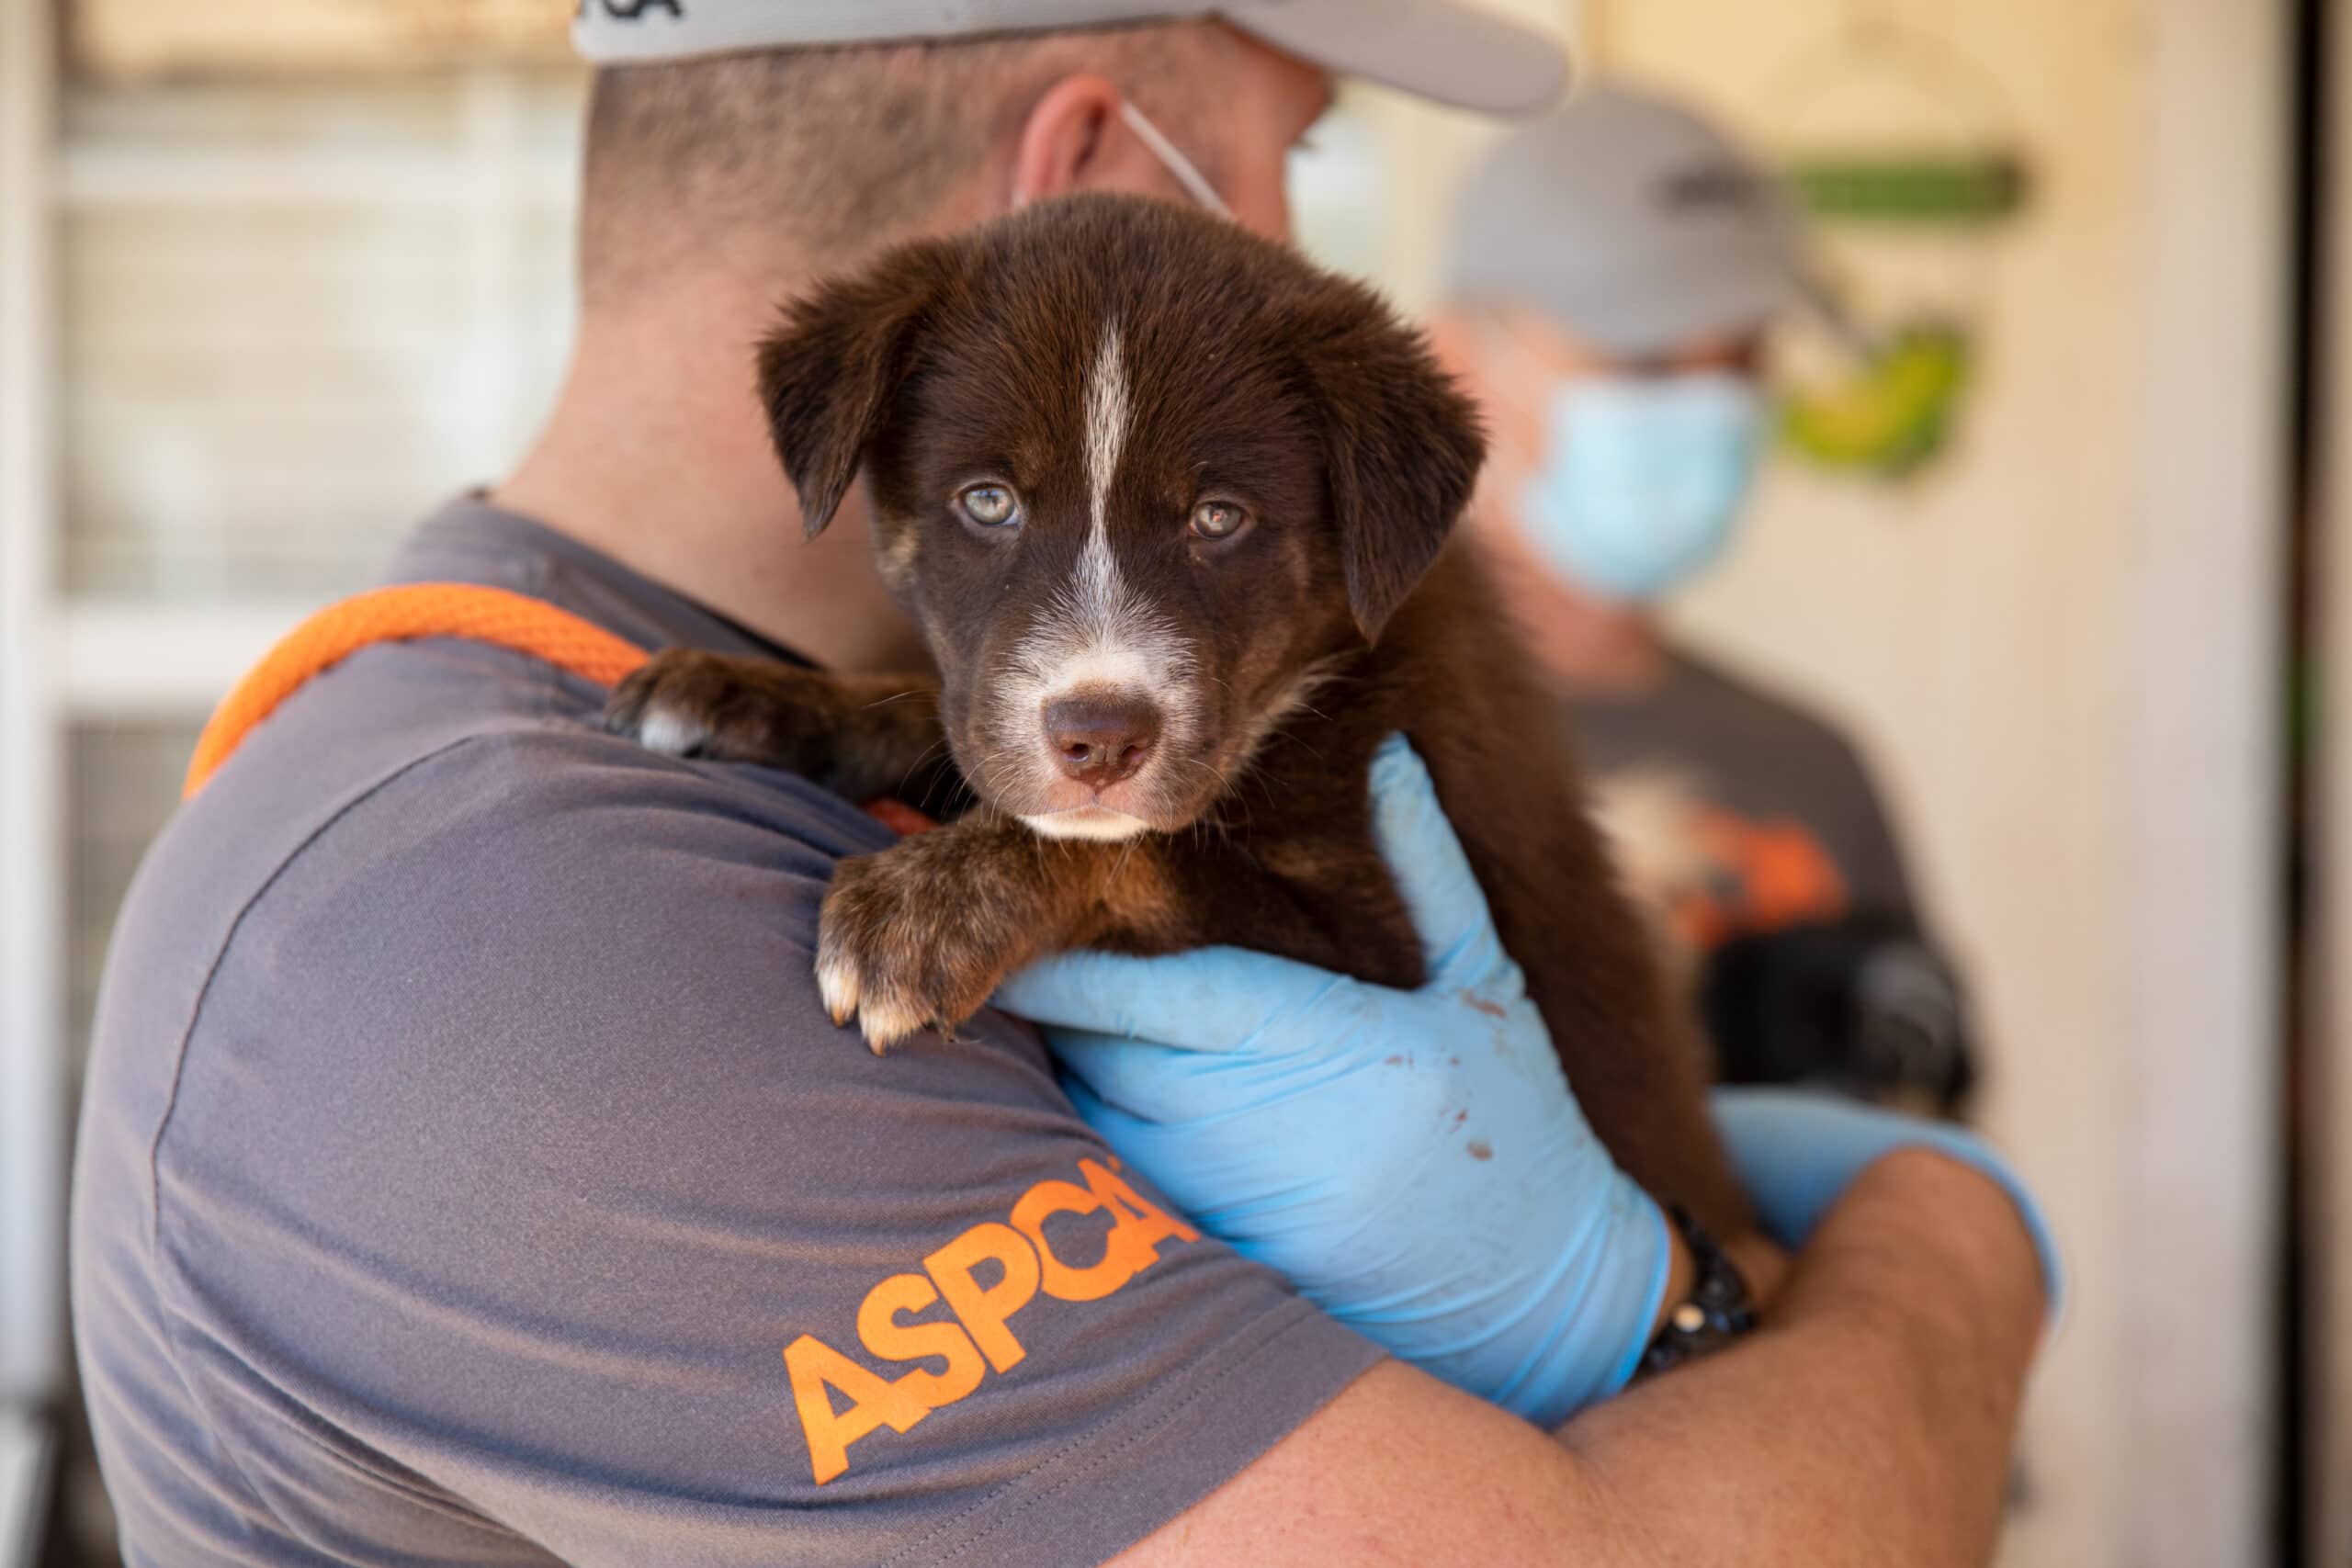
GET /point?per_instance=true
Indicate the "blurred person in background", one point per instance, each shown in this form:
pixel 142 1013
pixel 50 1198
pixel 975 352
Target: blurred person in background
pixel 469 1172
pixel 1614 272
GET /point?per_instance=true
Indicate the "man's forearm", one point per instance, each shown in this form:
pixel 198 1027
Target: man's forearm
pixel 1887 1376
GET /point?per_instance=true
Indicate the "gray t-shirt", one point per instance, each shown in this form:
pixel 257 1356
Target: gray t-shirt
pixel 1778 820
pixel 469 1173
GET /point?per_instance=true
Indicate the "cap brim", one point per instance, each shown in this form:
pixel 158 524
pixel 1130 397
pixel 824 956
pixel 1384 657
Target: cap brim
pixel 1449 52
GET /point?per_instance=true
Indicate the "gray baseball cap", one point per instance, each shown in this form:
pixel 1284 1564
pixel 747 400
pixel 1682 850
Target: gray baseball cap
pixel 1450 51
pixel 1634 222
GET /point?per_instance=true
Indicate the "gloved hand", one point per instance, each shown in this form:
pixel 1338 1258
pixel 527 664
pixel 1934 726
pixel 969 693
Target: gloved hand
pixel 1797 1153
pixel 1412 1162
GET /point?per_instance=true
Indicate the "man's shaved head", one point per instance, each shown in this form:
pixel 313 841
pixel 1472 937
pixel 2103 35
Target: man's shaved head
pixel 835 151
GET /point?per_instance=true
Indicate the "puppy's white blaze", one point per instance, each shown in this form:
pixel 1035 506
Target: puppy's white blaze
pixel 1097 632
pixel 1100 593
pixel 1098 590
pixel 1107 412
pixel 1095 822
pixel 1128 668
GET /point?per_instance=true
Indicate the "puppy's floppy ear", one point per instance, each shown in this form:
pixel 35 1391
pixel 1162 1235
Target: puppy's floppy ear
pixel 1403 447
pixel 829 371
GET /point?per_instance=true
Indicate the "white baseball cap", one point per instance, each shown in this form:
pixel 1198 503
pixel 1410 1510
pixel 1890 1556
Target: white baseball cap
pixel 1450 51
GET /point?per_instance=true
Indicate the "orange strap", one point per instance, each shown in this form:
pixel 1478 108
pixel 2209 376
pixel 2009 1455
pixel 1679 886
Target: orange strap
pixel 467 610
pixel 494 615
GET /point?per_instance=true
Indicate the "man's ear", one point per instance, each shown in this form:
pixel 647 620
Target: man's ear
pixel 829 372
pixel 1403 447
pixel 1062 141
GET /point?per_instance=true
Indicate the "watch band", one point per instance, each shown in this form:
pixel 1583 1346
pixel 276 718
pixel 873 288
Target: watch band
pixel 1717 1311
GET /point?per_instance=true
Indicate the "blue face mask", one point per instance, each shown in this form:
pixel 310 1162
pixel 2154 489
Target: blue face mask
pixel 1642 480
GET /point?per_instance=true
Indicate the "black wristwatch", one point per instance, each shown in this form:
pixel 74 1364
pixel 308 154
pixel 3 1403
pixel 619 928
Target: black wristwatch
pixel 1717 1311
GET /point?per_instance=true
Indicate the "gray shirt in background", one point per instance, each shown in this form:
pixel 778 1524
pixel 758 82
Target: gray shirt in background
pixel 1779 820
pixel 469 1173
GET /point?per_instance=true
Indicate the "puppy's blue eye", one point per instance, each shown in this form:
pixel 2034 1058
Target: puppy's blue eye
pixel 1218 519
pixel 990 506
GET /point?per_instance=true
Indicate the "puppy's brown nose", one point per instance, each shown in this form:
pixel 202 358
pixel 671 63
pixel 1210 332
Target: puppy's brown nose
pixel 1100 740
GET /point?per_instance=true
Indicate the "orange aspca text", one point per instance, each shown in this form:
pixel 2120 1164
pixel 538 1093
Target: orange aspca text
pixel 1018 1262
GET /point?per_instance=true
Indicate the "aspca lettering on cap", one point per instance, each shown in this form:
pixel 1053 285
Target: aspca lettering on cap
pixel 982 1278
pixel 631 10
pixel 1718 184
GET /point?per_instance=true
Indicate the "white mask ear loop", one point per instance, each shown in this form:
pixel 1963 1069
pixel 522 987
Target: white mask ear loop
pixel 1186 173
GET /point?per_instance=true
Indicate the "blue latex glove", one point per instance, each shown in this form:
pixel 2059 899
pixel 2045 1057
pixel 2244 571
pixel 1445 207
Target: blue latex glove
pixel 1797 1153
pixel 1412 1162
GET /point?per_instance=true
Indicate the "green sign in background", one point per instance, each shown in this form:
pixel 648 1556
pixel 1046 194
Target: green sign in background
pixel 1940 189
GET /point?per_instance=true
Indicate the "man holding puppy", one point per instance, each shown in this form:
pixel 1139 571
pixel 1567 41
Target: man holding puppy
pixel 469 1174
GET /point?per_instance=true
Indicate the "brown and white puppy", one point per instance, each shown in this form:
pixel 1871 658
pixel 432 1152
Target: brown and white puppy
pixel 1172 507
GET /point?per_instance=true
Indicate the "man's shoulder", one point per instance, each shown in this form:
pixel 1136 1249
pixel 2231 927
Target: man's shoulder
pixel 419 750
pixel 539 827
pixel 522 848
pixel 553 802
pixel 350 891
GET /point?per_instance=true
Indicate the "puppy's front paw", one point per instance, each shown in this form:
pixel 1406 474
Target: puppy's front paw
pixel 900 947
pixel 685 703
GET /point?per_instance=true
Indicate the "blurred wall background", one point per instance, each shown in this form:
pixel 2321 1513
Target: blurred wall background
pixel 264 300
pixel 2065 645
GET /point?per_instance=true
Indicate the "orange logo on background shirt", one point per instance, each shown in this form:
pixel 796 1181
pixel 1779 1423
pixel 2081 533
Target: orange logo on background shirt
pixel 1762 876
pixel 977 1336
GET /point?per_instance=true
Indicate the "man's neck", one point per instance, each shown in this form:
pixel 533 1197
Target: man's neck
pixel 657 456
